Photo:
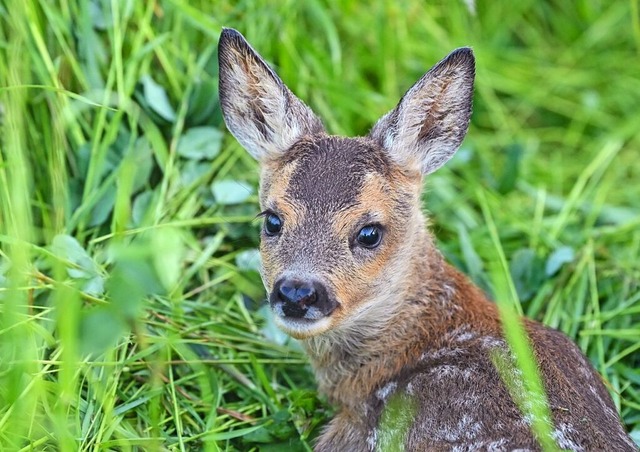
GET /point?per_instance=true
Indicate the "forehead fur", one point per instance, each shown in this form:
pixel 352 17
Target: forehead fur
pixel 330 171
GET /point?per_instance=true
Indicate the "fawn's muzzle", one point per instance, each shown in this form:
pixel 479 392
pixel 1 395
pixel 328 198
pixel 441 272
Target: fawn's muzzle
pixel 301 299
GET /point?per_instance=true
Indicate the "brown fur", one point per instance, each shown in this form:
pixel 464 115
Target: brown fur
pixel 403 323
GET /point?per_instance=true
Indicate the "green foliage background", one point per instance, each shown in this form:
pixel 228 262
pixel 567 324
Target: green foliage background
pixel 131 309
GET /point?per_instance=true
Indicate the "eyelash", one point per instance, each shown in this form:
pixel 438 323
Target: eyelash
pixel 264 213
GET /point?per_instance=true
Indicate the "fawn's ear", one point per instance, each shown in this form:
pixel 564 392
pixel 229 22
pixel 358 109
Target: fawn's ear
pixel 259 110
pixel 432 118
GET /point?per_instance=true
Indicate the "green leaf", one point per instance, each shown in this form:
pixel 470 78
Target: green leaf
pixel 193 170
pixel 228 192
pixel 511 169
pixel 558 258
pixel 471 258
pixel 69 248
pixel 94 286
pixel 168 254
pixel 83 158
pixel 282 427
pixel 130 282
pixel 87 271
pixel 157 98
pixel 303 401
pixel 140 207
pixel 527 272
pixel 270 330
pixel 100 17
pixel 132 279
pixel 247 260
pixel 143 159
pixel 100 329
pixel 203 102
pixel 260 435
pixel 103 208
pixel 200 143
pixel 291 445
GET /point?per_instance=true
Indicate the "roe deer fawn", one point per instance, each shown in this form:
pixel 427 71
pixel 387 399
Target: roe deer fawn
pixel 353 273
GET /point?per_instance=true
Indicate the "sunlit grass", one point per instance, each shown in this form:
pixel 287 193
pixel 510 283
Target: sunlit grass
pixel 130 299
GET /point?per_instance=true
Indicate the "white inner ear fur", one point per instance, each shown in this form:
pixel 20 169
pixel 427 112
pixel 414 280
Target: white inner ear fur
pixel 431 120
pixel 258 109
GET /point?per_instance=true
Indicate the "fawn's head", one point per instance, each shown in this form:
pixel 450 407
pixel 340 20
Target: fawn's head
pixel 341 215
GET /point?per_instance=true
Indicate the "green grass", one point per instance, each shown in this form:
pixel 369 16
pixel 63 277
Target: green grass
pixel 130 303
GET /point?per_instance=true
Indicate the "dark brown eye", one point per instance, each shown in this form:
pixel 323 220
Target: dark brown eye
pixel 370 236
pixel 272 224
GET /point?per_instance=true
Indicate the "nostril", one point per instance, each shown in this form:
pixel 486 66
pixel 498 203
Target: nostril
pixel 297 292
pixel 304 292
pixel 297 298
pixel 287 293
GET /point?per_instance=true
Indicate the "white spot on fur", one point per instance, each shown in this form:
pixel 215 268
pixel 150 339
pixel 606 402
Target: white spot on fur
pixel 466 429
pixel 562 435
pixel 489 446
pixel 449 371
pixel 464 337
pixel 449 291
pixel 372 439
pixel 493 342
pixel 441 353
pixel 410 389
pixel 384 392
pixel 606 408
pixel 495 446
pixel 463 333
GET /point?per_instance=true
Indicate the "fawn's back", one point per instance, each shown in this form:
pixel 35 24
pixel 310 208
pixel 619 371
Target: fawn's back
pixel 352 271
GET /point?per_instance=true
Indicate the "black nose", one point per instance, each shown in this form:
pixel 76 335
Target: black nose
pixel 296 296
pixel 292 291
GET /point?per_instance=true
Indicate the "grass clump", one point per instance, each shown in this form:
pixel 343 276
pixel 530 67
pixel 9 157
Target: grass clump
pixel 131 310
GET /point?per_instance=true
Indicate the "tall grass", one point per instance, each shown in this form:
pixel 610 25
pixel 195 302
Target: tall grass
pixel 131 309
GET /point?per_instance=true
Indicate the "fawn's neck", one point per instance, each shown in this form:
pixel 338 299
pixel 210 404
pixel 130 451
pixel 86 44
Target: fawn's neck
pixel 435 299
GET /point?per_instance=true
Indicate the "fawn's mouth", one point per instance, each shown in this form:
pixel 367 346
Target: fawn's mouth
pixel 301 328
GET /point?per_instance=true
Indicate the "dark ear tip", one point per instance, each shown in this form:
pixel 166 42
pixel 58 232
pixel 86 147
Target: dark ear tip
pixel 229 32
pixel 462 56
pixel 230 36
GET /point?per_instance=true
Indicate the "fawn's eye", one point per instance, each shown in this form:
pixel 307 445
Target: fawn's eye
pixel 272 224
pixel 369 236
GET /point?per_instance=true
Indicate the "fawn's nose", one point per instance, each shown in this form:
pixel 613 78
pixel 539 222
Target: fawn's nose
pixel 297 296
pixel 297 292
